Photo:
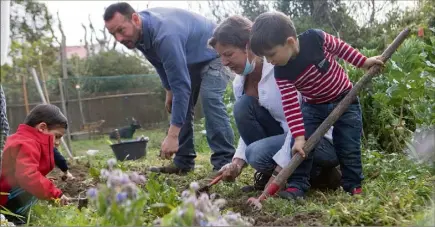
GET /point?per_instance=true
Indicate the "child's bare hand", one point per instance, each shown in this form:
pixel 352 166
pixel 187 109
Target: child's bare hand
pixel 67 176
pixel 376 60
pixel 64 200
pixel 299 144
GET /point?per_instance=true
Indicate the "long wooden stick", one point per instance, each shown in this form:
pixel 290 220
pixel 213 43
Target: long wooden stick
pixel 296 160
pixel 44 100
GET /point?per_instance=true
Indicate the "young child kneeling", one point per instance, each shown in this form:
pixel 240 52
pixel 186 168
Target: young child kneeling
pixel 307 63
pixel 27 158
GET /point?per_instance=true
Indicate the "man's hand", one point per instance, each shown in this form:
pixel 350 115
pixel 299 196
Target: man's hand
pixel 67 176
pixel 170 143
pixel 64 200
pixel 376 60
pixel 299 144
pixel 168 101
pixel 232 170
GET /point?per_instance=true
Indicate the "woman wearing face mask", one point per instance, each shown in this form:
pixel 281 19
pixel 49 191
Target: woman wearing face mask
pixel 265 141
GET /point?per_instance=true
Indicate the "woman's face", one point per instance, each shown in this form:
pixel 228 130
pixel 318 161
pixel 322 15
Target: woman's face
pixel 232 56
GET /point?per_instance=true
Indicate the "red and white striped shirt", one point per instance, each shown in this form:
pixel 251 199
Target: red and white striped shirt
pixel 315 74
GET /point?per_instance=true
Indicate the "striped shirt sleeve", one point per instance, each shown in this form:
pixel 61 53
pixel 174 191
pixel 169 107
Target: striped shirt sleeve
pixel 343 50
pixel 291 107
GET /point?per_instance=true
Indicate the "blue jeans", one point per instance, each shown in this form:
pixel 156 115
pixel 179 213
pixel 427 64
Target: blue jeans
pixel 253 121
pixel 260 153
pixel 19 202
pixel 264 137
pixel 346 139
pixel 208 80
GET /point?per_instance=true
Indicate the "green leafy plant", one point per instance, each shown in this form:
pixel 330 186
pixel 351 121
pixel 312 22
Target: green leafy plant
pixel 400 99
pixel 160 195
pixel 119 199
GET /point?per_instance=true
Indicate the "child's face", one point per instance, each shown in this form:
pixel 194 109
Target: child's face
pixel 57 132
pixel 281 54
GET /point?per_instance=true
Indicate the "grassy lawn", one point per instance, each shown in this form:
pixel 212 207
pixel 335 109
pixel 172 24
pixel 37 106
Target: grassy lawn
pixel 396 191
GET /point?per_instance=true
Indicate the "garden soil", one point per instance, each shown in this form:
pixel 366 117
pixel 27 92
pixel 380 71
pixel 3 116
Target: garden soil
pixel 76 187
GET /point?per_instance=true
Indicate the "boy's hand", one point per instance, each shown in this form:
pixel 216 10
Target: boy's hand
pixel 299 144
pixel 67 176
pixel 376 60
pixel 64 200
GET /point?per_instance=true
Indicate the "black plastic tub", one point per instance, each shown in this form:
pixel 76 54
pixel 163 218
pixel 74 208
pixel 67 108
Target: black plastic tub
pixel 130 150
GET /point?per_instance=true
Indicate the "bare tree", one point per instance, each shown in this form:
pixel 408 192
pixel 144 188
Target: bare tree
pixel 222 9
pixel 86 41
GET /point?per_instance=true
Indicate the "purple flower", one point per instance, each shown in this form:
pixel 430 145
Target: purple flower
pixel 131 190
pixel 111 162
pixel 92 193
pixel 121 197
pixel 104 173
pixel 142 179
pixel 194 186
pixel 203 223
pixel 124 179
pixel 134 177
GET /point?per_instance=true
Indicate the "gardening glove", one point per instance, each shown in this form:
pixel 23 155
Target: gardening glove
pixel 230 171
pixel 299 144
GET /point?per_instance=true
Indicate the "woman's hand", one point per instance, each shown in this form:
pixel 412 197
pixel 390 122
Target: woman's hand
pixel 232 170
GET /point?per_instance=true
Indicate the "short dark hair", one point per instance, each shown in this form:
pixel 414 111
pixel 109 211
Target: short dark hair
pixel 50 114
pixel 234 31
pixel 269 30
pixel 121 7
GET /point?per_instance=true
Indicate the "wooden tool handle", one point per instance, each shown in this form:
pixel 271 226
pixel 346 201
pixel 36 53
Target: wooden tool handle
pixel 296 160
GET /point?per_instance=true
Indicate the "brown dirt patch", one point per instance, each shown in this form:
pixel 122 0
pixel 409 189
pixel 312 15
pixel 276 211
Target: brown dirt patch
pixel 76 187
pixel 263 219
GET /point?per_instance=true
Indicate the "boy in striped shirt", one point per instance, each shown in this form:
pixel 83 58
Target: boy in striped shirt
pixel 306 63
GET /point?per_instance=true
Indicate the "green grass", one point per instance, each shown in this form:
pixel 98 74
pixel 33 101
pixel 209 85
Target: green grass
pixel 396 191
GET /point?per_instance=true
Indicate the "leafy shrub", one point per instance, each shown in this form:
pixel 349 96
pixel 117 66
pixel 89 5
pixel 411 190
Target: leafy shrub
pixel 401 98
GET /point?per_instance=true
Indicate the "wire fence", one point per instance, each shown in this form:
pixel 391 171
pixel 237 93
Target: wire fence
pixel 114 100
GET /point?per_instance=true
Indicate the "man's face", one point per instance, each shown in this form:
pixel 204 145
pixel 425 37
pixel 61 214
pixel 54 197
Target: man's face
pixel 124 30
pixel 281 54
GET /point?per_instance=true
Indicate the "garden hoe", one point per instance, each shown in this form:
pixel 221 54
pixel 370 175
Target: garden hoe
pixel 285 173
pixel 205 188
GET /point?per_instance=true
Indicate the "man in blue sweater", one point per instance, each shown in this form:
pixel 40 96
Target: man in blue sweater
pixel 174 41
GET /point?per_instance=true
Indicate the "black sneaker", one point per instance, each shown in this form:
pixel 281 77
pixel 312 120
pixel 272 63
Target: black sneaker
pixel 260 181
pixel 169 169
pixel 291 193
pixel 329 178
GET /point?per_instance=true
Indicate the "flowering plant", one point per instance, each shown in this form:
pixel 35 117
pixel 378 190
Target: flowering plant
pixel 119 199
pixel 201 210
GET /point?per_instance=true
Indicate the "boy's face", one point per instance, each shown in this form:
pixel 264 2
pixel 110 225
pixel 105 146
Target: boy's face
pixel 281 54
pixel 57 132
